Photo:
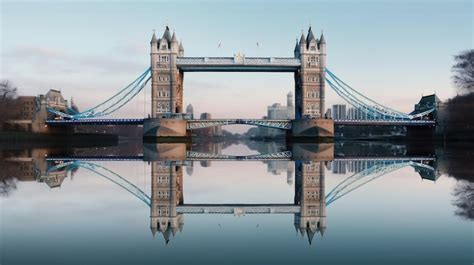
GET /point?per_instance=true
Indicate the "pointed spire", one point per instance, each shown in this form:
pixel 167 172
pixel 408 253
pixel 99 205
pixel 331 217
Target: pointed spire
pixel 321 39
pixel 153 231
pixel 310 36
pixel 321 230
pixel 166 234
pixel 153 38
pixel 181 49
pixel 310 235
pixel 302 39
pixel 297 46
pixel 174 39
pixel 166 34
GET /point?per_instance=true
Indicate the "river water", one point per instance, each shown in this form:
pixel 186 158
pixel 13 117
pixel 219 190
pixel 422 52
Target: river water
pixel 238 203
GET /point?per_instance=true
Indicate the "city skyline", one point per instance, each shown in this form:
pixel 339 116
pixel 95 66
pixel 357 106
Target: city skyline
pixel 73 60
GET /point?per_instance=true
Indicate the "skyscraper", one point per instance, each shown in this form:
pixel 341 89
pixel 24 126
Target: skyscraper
pixel 339 112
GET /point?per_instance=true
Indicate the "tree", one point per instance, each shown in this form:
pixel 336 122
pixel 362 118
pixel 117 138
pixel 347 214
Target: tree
pixel 8 94
pixel 463 69
pixel 464 194
pixel 7 90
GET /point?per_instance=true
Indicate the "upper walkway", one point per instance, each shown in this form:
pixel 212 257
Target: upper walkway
pixel 238 64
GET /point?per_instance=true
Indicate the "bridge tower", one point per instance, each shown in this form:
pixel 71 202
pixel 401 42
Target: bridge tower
pixel 166 195
pixel 310 195
pixel 166 80
pixel 310 78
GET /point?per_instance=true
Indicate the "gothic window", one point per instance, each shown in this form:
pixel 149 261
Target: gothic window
pixel 312 210
pixel 312 195
pixel 164 58
pixel 163 78
pixel 162 210
pixel 313 180
pixel 313 47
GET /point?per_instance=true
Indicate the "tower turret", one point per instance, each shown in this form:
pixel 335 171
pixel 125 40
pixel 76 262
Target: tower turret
pixel 181 49
pixel 302 43
pixel 322 44
pixel 174 44
pixel 153 51
pixel 296 51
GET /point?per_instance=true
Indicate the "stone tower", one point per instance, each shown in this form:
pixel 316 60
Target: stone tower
pixel 167 80
pixel 310 79
pixel 310 195
pixel 166 195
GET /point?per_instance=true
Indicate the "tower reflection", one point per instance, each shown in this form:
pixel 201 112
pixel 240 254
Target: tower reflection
pixel 167 205
pixel 166 195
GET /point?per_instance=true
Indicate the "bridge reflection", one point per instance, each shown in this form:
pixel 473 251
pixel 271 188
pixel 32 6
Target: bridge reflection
pixel 166 197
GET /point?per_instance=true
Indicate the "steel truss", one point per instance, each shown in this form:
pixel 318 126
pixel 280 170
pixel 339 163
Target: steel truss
pixel 277 124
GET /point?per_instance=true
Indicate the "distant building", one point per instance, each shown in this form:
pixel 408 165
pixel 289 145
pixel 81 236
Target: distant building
pixel 339 112
pixel 277 167
pixel 339 167
pixel 355 114
pixel 279 112
pixel 32 111
pixel 190 110
pixel 427 103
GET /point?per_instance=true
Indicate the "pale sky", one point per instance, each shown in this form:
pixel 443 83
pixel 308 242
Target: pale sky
pixel 391 51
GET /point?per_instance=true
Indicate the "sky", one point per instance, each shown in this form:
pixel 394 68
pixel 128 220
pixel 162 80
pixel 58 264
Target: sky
pixel 392 51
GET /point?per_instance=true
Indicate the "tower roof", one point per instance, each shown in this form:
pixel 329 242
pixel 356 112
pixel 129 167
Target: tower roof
pixel 302 39
pixel 322 40
pixel 153 38
pixel 321 230
pixel 167 35
pixel 310 235
pixel 174 39
pixel 310 36
pixel 181 49
pixel 297 46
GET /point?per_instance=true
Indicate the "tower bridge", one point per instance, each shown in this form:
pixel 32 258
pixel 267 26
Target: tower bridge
pixel 168 66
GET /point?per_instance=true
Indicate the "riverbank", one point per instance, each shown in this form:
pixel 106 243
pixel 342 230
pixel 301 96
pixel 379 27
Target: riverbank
pixel 27 139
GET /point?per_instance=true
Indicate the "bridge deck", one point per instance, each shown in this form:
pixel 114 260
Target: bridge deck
pixel 281 124
pixel 386 122
pixel 238 208
pixel 95 122
pixel 238 64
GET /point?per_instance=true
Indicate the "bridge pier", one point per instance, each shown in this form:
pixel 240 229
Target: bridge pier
pixel 311 128
pixel 154 128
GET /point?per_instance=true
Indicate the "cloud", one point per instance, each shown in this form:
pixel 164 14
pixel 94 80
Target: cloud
pixel 46 59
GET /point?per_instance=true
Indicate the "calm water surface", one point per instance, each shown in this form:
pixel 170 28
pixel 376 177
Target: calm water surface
pixel 342 203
